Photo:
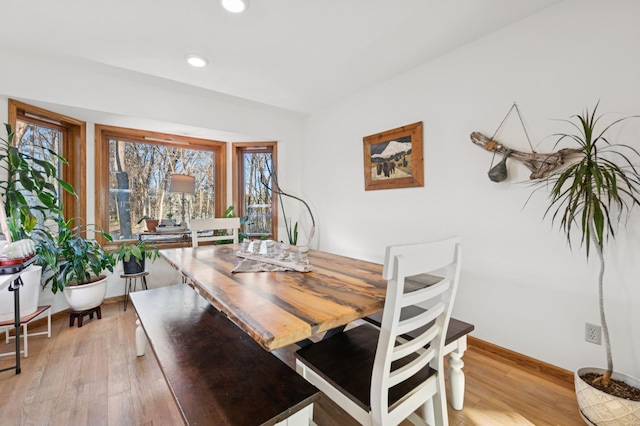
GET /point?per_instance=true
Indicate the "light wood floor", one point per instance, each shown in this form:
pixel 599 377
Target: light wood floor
pixel 91 376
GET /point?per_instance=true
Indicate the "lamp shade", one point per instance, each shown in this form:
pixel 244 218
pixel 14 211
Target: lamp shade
pixel 182 184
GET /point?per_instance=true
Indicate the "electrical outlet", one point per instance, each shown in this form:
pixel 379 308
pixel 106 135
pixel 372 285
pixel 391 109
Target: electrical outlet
pixel 593 333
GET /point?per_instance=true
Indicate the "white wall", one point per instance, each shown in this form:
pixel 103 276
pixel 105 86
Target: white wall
pixel 104 95
pixel 521 285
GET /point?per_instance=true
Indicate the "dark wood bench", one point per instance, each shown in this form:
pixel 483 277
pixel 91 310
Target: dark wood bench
pixel 217 373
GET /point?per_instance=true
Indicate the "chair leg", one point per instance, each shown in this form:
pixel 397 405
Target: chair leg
pixel 427 412
pixel 49 323
pixel 141 339
pixel 26 344
pixel 440 407
pixel 456 379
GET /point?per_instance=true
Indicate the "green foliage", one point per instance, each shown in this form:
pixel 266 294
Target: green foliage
pixel 65 255
pixel 72 258
pixel 241 234
pixel 34 176
pixel 595 193
pixel 292 234
pixel 138 250
pixel 598 188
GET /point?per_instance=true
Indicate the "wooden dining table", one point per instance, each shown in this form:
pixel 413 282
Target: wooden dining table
pixel 281 308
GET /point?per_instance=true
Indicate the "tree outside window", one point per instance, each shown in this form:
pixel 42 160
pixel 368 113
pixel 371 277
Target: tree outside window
pixel 254 163
pixel 133 176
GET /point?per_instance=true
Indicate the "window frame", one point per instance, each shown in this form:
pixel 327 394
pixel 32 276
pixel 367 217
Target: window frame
pixel 74 149
pixel 103 133
pixel 237 151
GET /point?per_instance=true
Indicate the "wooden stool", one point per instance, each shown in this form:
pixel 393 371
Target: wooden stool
pixel 133 278
pixel 24 321
pixel 81 314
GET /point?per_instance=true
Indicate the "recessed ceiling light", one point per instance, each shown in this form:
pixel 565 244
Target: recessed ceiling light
pixel 196 60
pixel 235 6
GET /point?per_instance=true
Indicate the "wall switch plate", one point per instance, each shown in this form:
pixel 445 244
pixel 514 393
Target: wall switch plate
pixel 593 333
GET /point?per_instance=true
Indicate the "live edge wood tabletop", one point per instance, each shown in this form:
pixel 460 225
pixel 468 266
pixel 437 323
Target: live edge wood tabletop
pixel 281 308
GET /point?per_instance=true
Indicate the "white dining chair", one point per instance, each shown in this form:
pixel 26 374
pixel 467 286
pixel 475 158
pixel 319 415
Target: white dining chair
pixel 375 375
pixel 230 225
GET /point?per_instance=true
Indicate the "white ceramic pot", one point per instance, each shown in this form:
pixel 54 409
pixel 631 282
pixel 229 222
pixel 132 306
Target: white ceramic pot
pixel 29 295
pixel 86 296
pixel 600 408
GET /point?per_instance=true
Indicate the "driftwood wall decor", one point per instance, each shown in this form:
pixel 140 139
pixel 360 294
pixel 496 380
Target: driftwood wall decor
pixel 539 164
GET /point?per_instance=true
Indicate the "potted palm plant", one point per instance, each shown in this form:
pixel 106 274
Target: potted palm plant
pixel 589 197
pixel 133 256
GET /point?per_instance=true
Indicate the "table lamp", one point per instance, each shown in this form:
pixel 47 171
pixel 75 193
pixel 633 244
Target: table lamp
pixel 182 184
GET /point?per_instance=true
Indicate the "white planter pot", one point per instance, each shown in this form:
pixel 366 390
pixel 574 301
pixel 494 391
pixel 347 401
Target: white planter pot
pixel 600 408
pixel 86 296
pixel 29 295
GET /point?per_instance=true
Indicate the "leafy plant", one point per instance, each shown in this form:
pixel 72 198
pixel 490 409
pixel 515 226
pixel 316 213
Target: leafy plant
pixel 292 234
pixel 138 250
pixel 594 193
pixel 229 213
pixel 29 189
pixel 72 258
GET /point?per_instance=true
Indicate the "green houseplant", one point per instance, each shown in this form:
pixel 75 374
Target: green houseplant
pixel 73 258
pixel 30 187
pixel 66 254
pixel 241 234
pixel 133 256
pixel 589 198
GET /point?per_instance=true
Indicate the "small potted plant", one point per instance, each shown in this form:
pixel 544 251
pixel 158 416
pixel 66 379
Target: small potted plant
pixel 133 256
pixel 168 221
pixel 150 222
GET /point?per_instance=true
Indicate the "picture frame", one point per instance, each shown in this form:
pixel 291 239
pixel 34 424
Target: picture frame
pixel 394 158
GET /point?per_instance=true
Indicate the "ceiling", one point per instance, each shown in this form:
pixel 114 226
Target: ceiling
pixel 300 55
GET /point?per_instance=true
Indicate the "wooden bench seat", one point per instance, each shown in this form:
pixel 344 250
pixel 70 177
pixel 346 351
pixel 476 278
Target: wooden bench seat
pixel 217 373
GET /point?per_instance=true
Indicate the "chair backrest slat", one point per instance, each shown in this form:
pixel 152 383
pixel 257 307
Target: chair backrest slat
pixel 406 371
pixel 408 325
pixel 423 295
pixel 416 344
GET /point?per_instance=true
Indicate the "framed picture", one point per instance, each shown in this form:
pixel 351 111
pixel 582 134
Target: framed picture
pixel 393 159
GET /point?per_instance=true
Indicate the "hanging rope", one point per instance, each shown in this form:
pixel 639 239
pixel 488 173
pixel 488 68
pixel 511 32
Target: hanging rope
pixel 496 145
